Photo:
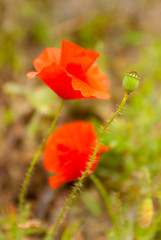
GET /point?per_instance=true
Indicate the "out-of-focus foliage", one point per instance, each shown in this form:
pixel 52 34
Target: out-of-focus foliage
pixel 128 36
pixel 91 204
pixel 69 233
pixel 9 224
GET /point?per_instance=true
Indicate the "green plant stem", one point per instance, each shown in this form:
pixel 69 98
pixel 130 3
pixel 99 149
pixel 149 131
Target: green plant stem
pixel 35 159
pixel 107 200
pixel 51 234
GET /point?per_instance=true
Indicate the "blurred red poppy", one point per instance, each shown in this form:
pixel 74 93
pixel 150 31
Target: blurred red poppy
pixel 68 151
pixel 71 72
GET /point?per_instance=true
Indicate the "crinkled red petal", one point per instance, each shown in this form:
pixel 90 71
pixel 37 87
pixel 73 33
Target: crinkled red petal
pixel 72 53
pixel 56 181
pixel 31 74
pixel 65 140
pixel 97 79
pixel 47 57
pixel 68 152
pixel 87 91
pixel 59 81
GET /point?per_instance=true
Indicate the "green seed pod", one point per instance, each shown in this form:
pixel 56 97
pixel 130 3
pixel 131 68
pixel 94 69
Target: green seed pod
pixel 131 81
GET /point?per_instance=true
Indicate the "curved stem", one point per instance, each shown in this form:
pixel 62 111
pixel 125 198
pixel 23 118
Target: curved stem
pixel 126 95
pixel 107 200
pixel 35 159
pixel 77 186
pixel 104 194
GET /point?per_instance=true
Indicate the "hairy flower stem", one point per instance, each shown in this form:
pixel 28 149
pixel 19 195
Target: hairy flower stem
pixel 50 235
pixel 107 200
pixel 35 159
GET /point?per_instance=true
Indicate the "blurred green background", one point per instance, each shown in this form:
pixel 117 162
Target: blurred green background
pixel 127 33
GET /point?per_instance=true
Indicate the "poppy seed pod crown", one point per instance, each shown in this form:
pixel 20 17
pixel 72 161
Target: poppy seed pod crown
pixel 131 81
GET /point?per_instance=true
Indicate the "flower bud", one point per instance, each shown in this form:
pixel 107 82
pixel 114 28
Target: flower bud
pixel 146 213
pixel 131 81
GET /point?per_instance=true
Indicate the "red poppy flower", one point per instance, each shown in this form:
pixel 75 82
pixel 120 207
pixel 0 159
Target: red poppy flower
pixel 71 72
pixel 68 152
